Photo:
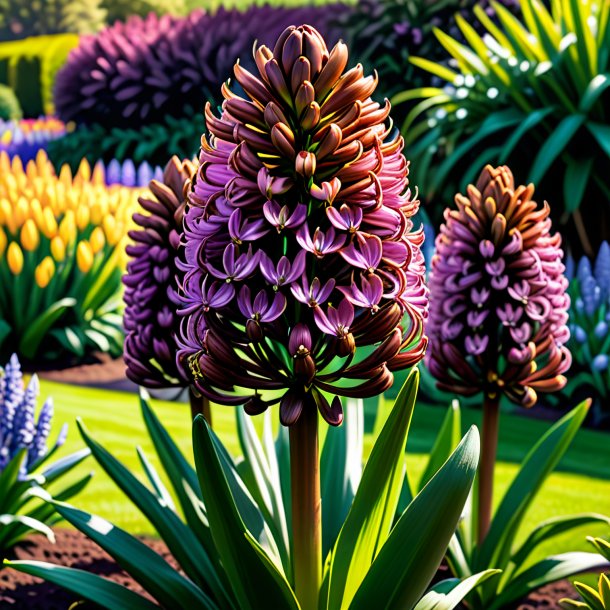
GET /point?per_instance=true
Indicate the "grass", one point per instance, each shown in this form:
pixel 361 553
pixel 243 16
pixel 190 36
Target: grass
pixel 580 484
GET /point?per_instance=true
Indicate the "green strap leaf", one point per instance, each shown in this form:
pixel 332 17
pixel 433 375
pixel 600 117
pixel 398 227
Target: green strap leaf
pixel 447 594
pixel 155 480
pixel 447 440
pixel 576 179
pixel 554 145
pixel 551 528
pixel 21 524
pixel 60 467
pixel 101 591
pixel 372 513
pixel 530 121
pixel 266 490
pixel 601 133
pixel 538 464
pixel 186 548
pixel 36 332
pixel 341 470
pixel 157 577
pixel 594 90
pixel 424 530
pixel 256 581
pixel 547 571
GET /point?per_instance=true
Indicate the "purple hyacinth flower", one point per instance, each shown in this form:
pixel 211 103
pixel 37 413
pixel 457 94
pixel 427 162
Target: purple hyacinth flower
pixel 498 315
pixel 151 321
pixel 300 213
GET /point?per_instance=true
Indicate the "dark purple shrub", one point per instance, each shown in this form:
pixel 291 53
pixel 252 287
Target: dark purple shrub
pixel 141 71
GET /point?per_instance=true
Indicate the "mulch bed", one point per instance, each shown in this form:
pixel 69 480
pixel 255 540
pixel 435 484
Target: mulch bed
pixel 23 592
pixel 104 372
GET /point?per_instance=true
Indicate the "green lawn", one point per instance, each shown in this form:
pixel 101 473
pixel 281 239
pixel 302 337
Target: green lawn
pixel 582 482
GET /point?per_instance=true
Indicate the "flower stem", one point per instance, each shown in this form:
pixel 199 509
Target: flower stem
pixel 491 418
pixel 306 508
pixel 200 404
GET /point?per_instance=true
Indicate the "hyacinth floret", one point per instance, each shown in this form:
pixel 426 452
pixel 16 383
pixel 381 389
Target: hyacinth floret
pixel 19 428
pixel 303 278
pixel 150 319
pixel 498 300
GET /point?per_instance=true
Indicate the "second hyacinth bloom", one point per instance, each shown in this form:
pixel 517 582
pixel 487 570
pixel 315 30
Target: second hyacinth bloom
pixel 499 306
pixel 304 277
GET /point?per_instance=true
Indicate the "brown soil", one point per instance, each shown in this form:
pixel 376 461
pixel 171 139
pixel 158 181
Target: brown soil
pixel 23 592
pixel 105 373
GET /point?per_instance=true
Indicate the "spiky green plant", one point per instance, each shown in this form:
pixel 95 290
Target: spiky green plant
pixel 530 92
pixel 592 599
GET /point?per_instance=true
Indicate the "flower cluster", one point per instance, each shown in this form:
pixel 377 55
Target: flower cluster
pixel 498 307
pixel 303 277
pixel 150 318
pixel 19 428
pixel 590 320
pixel 127 174
pixel 26 137
pixel 144 70
pixel 61 254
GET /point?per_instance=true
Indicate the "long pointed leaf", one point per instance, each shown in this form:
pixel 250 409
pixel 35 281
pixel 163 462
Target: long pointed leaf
pixel 183 545
pixel 447 440
pixel 157 577
pixel 254 577
pixel 538 464
pixel 554 145
pixel 547 571
pixel 447 594
pixel 101 591
pixel 341 470
pixel 424 531
pixel 372 514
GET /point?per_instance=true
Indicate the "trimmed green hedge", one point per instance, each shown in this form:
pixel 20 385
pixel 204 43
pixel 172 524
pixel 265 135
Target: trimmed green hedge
pixel 29 67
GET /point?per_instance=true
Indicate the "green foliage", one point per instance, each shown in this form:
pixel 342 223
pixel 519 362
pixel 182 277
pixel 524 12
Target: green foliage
pixel 384 34
pixel 500 549
pixel 29 67
pixel 530 92
pixel 154 143
pixel 227 544
pixel 593 599
pixel 23 502
pixel 120 10
pixel 9 104
pixel 22 18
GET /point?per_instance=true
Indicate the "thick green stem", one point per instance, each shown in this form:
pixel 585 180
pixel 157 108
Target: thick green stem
pixel 200 404
pixel 306 509
pixel 491 418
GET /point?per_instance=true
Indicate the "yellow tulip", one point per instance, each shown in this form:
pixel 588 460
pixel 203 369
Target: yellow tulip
pixel 58 248
pixel 49 223
pixel 97 239
pixel 30 238
pixel 82 217
pixel 44 272
pixel 67 227
pixel 21 211
pixel 96 212
pixel 84 256
pixel 3 241
pixel 110 229
pixel 14 258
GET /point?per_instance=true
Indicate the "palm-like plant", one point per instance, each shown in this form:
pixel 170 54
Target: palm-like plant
pixel 532 92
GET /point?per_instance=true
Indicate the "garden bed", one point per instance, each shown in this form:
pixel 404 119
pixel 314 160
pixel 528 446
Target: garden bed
pixel 20 591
